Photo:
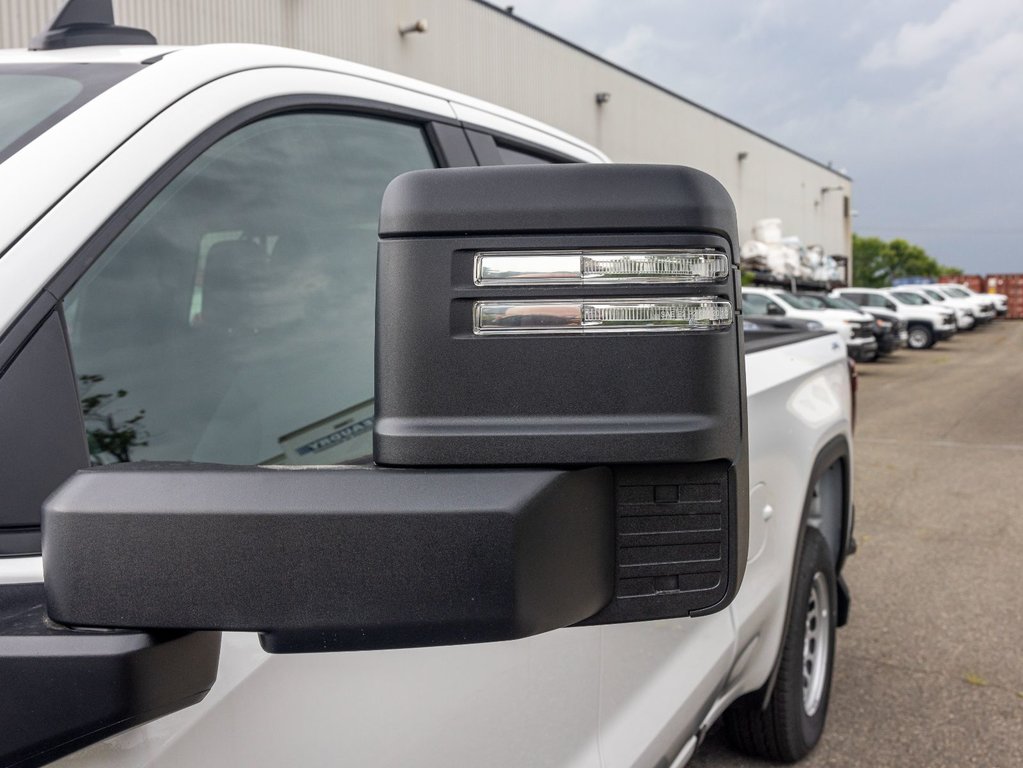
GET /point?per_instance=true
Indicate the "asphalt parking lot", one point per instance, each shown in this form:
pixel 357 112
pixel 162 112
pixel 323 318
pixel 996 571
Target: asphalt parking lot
pixel 929 671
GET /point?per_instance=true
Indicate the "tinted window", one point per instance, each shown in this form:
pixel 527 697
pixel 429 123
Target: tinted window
pixel 843 303
pixel 910 298
pixel 877 300
pixel 793 301
pixel 37 96
pixel 813 302
pixel 232 321
pixel 757 304
pixel 513 156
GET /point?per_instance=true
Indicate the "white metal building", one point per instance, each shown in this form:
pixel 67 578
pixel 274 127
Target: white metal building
pixel 479 49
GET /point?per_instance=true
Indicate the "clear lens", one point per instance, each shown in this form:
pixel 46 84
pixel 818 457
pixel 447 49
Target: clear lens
pixel 653 265
pixel 600 316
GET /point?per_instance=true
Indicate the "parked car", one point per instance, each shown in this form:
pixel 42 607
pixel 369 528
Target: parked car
pixel 967 314
pixel 999 300
pixel 553 542
pixel 856 328
pixel 926 324
pixel 982 306
pixel 889 332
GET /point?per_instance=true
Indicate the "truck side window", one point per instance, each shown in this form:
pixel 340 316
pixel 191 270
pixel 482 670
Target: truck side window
pixel 515 156
pixel 877 300
pixel 232 320
pixel 754 304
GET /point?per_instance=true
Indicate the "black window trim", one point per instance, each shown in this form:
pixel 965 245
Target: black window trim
pixel 444 145
pixel 485 143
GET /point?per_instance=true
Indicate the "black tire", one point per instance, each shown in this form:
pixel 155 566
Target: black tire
pixel 920 336
pixel 784 731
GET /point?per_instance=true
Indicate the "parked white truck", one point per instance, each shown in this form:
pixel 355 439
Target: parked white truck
pixel 856 328
pixel 927 324
pixel 542 507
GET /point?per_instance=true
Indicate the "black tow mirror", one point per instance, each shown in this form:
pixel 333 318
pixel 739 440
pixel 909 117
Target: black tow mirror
pixel 577 315
pixel 560 439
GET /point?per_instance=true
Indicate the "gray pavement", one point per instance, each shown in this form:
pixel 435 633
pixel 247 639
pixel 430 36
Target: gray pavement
pixel 929 671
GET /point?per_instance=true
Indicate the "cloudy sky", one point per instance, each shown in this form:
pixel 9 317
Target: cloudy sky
pixel 921 101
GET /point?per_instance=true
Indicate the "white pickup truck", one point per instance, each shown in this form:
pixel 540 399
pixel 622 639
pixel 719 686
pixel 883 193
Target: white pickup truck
pixel 548 547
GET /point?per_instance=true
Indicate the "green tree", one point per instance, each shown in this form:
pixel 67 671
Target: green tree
pixel 876 262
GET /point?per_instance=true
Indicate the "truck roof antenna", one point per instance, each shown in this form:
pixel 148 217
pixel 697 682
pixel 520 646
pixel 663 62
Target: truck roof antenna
pixel 87 22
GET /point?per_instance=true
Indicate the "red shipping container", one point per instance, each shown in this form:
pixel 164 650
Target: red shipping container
pixel 1012 286
pixel 975 282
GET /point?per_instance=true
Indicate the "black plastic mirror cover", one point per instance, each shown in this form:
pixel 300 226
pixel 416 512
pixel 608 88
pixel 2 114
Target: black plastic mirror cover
pixel 330 558
pixel 665 410
pixel 447 396
pixel 64 689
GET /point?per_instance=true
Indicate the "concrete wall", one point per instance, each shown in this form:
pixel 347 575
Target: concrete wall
pixel 476 49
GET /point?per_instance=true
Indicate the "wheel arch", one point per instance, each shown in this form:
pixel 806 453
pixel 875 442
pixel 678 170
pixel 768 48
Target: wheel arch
pixel 836 452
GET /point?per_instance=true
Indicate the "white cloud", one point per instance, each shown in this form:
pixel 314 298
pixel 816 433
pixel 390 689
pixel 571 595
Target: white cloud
pixel 962 22
pixel 633 47
pixel 982 91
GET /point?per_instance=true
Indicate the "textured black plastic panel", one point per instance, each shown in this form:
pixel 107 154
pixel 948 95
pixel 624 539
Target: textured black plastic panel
pixel 446 396
pixel 557 198
pixel 42 440
pixel 674 554
pixel 64 689
pixel 331 558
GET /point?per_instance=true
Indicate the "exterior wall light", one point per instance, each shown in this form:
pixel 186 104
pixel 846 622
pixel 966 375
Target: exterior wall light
pixel 418 26
pixel 603 97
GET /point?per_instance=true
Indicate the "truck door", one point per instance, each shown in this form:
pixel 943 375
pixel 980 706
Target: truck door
pixel 225 314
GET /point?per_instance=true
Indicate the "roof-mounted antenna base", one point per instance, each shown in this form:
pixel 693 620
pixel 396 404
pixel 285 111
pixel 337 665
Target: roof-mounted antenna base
pixel 88 22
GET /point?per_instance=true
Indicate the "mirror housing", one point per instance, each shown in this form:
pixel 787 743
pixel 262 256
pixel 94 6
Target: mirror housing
pixel 330 558
pixel 560 438
pixel 568 315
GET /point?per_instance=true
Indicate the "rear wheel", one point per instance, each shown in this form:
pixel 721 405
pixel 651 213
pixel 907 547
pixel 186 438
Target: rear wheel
pixel 792 722
pixel 920 337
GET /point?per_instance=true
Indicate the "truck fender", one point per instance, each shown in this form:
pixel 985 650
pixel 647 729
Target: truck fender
pixel 835 450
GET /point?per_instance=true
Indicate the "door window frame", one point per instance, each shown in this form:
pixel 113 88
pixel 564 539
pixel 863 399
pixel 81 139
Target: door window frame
pixel 447 147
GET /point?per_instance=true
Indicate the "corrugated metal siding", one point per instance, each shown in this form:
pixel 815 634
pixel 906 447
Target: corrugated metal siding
pixel 483 52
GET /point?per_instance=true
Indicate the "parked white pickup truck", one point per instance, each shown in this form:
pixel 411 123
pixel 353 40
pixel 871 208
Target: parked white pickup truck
pixel 856 328
pixel 928 324
pixel 544 544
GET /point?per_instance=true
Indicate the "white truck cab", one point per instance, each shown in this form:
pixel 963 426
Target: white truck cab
pixel 999 300
pixel 275 479
pixel 967 311
pixel 856 328
pixel 984 307
pixel 927 324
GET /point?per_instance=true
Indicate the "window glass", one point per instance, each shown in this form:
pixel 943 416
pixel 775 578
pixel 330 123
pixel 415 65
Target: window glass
pixel 840 303
pixel 813 302
pixel 875 300
pixel 935 295
pixel 37 96
pixel 29 99
pixel 910 298
pixel 794 301
pixel 754 304
pixel 511 156
pixel 232 321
